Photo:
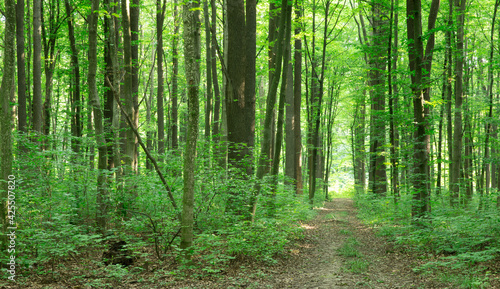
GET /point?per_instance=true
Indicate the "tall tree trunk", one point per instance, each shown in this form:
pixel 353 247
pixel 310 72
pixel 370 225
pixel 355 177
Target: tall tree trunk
pixel 49 44
pixel 134 49
pixel 393 97
pixel 7 89
pixel 217 102
pixel 317 87
pixel 160 16
pixel 37 66
pixel 281 104
pixel 457 131
pixel 98 119
pixel 378 61
pixel 297 100
pixel 21 70
pixel 420 65
pixel 489 91
pixel 265 152
pixel 192 57
pixel 289 132
pixel 208 61
pixel 240 95
pixel 175 73
pixel 126 91
pixel 75 99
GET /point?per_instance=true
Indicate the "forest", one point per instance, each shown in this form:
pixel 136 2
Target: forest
pixel 146 143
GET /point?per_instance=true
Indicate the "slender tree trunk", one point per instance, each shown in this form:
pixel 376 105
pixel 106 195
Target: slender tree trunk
pixel 265 157
pixel 76 123
pixel 126 90
pixel 208 61
pixel 457 131
pixel 21 70
pixel 217 102
pixel 134 49
pixel 37 66
pixel 297 99
pixel 98 119
pixel 281 105
pixel 7 89
pixel 192 57
pixel 378 62
pixel 49 44
pixel 290 134
pixel 393 97
pixel 160 15
pixel 175 73
pixel 489 127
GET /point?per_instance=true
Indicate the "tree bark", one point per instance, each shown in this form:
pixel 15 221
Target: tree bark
pixel 160 15
pixel 134 49
pixel 420 65
pixel 75 99
pixel 377 63
pixel 208 61
pixel 217 102
pixel 37 66
pixel 240 94
pixel 175 73
pixel 101 200
pixel 7 89
pixel 192 57
pixel 457 130
pixel 21 71
pixel 297 100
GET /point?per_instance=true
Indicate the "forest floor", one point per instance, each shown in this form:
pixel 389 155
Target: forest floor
pixel 337 251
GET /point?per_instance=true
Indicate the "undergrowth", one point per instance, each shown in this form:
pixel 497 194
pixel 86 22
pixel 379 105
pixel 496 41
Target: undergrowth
pixel 456 244
pixel 56 201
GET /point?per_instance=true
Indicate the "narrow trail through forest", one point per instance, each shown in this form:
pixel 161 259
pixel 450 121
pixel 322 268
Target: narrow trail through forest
pixel 338 251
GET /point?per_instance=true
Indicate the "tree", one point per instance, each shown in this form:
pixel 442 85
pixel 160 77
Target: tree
pixel 457 129
pixel 50 58
pixel 191 35
pixel 7 90
pixel 297 100
pixel 37 66
pixel 98 119
pixel 217 97
pixel 208 62
pixel 378 63
pixel 279 52
pixel 127 87
pixel 420 65
pixel 21 70
pixel 160 15
pixel 240 91
pixel 175 73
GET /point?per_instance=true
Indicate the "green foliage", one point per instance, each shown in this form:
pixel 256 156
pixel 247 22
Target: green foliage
pixel 356 266
pixel 458 240
pixel 349 249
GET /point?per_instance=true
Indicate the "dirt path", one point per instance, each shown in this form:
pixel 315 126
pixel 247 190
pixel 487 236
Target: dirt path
pixel 340 252
pixel 337 252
